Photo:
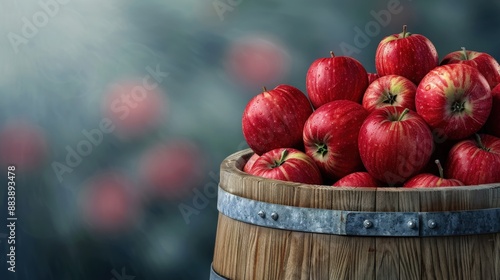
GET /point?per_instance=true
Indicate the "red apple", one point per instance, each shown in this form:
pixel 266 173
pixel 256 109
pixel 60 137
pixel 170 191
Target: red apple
pixel 275 119
pixel 372 77
pixel 390 90
pixel 335 78
pixel 287 164
pixel 331 137
pixel 249 164
pixel 406 54
pixel 395 143
pixel 427 180
pixel 454 98
pixel 492 125
pixel 485 63
pixel 358 180
pixel 476 161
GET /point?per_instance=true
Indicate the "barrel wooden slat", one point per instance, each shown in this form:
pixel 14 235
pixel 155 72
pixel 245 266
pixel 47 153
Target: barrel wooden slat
pixel 441 255
pixel 316 253
pixel 246 251
pixel 480 246
pixel 387 256
pixel 352 257
pixel 410 266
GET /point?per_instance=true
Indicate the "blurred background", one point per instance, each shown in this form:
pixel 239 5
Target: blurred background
pixel 117 114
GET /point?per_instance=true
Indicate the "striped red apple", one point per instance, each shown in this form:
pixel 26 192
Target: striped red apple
pixel 475 161
pixel 405 54
pixel 275 119
pixel 390 90
pixel 287 164
pixel 454 98
pixel 331 137
pixel 335 78
pixel 395 143
pixel 249 164
pixel 428 180
pixel 485 63
pixel 358 180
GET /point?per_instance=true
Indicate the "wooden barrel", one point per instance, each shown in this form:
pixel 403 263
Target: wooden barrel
pixel 269 229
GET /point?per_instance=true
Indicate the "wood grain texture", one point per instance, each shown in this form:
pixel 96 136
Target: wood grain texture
pixel 410 254
pixel 245 251
pixel 352 257
pixel 387 248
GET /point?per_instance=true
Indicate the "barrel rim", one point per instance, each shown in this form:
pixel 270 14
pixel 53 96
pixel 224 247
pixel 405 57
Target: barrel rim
pixel 236 161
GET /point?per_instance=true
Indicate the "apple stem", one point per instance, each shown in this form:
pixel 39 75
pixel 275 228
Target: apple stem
pixel 264 89
pixel 332 54
pixel 440 168
pixel 405 111
pixel 284 153
pixel 466 57
pixel 480 143
pixel 405 27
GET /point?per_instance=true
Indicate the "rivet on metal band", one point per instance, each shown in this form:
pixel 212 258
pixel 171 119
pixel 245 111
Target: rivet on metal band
pixel 431 224
pixel 358 223
pixel 262 214
pixel 411 224
pixel 367 223
pixel 274 216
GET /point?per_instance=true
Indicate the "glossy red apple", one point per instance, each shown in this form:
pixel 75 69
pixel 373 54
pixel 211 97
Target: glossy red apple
pixel 372 77
pixel 335 78
pixel 475 161
pixel 275 119
pixel 390 90
pixel 331 137
pixel 427 180
pixel 394 144
pixel 359 180
pixel 492 125
pixel 455 98
pixel 485 63
pixel 249 164
pixel 405 54
pixel 287 164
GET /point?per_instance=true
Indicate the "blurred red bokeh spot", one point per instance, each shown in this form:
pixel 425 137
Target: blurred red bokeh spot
pixel 172 169
pixel 135 107
pixel 23 145
pixel 257 61
pixel 108 203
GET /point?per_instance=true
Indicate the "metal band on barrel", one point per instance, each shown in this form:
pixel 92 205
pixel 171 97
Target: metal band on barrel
pixel 215 276
pixel 358 223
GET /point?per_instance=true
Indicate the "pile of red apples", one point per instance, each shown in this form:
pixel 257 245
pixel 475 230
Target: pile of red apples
pixel 417 122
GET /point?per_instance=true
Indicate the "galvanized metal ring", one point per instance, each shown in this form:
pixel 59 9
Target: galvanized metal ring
pixel 358 223
pixel 215 276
